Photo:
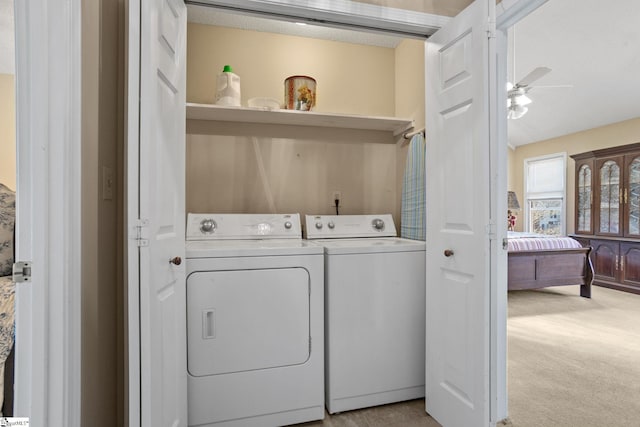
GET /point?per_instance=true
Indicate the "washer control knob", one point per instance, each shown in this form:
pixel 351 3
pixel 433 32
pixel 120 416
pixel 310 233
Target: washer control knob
pixel 331 225
pixel 378 224
pixel 288 225
pixel 208 226
pixel 319 225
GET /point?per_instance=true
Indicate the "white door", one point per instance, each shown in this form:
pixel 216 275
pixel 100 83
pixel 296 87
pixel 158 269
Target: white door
pixel 156 230
pixel 229 311
pixel 458 220
pixel 47 382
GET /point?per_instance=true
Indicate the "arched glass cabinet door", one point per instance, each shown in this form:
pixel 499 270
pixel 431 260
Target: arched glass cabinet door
pixel 584 195
pixel 632 196
pixel 610 198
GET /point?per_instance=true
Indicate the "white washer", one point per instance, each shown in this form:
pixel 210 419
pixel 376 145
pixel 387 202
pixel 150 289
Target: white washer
pixel 254 321
pixel 374 311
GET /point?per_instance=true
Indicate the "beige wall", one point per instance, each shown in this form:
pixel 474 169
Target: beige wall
pixel 410 81
pixel 409 99
pixel 101 283
pixel 298 169
pixel 511 171
pixel 350 78
pixel 622 133
pixel 7 131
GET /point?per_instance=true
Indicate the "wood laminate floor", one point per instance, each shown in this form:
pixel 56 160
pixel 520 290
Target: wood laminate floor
pixel 402 414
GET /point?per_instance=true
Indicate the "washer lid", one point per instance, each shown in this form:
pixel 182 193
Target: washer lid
pixel 345 226
pixel 249 248
pixel 370 245
pixel 206 226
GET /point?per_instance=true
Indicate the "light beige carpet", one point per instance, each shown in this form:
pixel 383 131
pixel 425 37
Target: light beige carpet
pixel 573 361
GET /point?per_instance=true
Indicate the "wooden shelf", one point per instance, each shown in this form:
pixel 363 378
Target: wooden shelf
pixel 297 118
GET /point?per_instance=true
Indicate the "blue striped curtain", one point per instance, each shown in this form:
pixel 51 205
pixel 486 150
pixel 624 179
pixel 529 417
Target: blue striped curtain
pixel 412 212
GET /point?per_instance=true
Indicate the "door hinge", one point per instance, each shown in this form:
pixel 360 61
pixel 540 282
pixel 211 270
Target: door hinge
pixel 491 28
pixel 491 230
pixel 505 243
pixel 142 227
pixel 21 272
pixel 309 345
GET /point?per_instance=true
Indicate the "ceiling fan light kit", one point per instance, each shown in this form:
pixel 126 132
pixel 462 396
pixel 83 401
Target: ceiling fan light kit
pixel 519 98
pixel 516 103
pixel 516 111
pixel 516 94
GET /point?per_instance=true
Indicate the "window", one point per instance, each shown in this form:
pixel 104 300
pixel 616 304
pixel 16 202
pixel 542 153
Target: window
pixel 544 182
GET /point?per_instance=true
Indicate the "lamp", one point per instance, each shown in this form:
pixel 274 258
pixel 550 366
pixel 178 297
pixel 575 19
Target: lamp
pixel 512 205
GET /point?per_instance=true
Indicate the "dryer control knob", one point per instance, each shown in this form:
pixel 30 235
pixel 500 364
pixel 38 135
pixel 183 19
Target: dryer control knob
pixel 319 225
pixel 208 226
pixel 288 225
pixel 378 224
pixel 331 225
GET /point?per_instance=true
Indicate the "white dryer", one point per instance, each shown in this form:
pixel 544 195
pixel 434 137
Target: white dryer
pixel 254 321
pixel 374 311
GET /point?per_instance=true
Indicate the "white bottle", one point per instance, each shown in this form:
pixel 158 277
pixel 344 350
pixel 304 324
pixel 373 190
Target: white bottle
pixel 228 89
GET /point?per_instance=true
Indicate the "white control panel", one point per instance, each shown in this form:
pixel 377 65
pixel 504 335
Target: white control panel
pixel 243 226
pixel 349 226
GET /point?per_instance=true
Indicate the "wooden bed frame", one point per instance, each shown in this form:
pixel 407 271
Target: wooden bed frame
pixel 552 267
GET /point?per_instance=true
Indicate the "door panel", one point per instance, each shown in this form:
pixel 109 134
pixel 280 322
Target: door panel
pixel 584 196
pixel 609 179
pixel 631 196
pixel 605 255
pixel 162 389
pixel 458 214
pixel 630 260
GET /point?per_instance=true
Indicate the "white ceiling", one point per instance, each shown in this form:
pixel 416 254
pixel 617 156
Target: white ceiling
pixel 591 44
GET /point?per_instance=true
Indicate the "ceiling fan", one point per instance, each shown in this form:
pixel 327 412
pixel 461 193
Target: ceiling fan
pixel 517 98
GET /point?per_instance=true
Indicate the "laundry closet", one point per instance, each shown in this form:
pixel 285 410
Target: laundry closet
pixel 237 162
pixel 242 160
pixel 245 160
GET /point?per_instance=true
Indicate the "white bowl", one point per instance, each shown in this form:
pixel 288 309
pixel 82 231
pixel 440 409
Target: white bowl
pixel 268 103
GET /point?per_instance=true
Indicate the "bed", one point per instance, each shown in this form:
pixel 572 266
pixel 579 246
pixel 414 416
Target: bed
pixel 7 291
pixel 539 261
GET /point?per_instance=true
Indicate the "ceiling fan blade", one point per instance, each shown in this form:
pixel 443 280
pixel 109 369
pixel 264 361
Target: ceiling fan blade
pixel 533 76
pixel 549 87
pixel 542 88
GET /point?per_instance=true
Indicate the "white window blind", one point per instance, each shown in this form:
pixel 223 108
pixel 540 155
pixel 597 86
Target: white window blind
pixel 545 189
pixel 546 176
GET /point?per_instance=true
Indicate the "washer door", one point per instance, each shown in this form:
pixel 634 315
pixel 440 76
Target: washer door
pixel 244 320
